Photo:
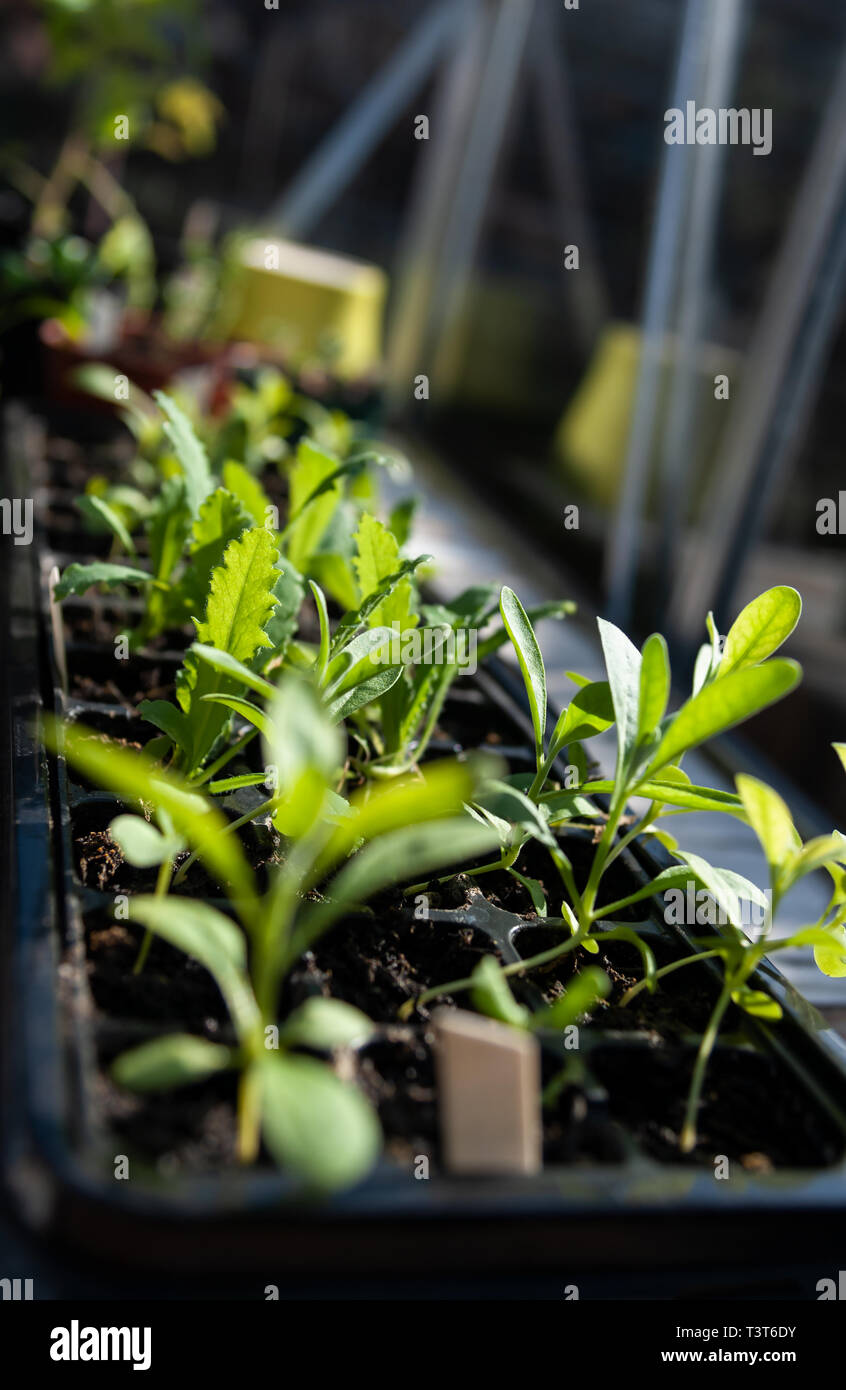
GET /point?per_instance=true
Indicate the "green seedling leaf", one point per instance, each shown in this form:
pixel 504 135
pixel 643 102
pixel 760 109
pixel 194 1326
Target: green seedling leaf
pixel 324 1024
pixel 365 656
pixel 381 807
pixel 141 843
pixel 823 851
pixel 771 821
pixel 756 1003
pixel 373 688
pixel 402 518
pixel 412 852
pixel 623 663
pixel 97 510
pixel 134 777
pixel 708 658
pixel 384 605
pixel 311 508
pixel 165 1063
pixel 508 803
pixel 491 995
pixel 306 751
pixel 78 579
pixel 521 632
pixel 831 957
pixel 220 520
pixel 724 885
pixel 189 451
pixel 654 686
pixel 579 998
pixel 165 716
pixel 240 603
pixel 246 709
pixel 229 665
pixel 840 750
pixel 288 590
pixel 590 712
pixel 723 704
pixel 316 1127
pixel 534 889
pixel 685 795
pixel 210 938
pixel 242 484
pixel 556 608
pixel 323 620
pixel 760 629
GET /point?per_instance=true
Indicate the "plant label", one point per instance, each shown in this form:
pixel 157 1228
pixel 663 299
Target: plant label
pixel 489 1094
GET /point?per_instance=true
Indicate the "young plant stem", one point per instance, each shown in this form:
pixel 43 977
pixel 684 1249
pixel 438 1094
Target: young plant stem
pixel 668 970
pixel 687 1140
pixel 162 886
pixel 249 1115
pixel 263 809
pixel 225 757
pixel 588 898
pixel 517 968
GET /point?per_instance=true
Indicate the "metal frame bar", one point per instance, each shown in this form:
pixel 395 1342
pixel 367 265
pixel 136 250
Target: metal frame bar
pixel 349 144
pixel 745 474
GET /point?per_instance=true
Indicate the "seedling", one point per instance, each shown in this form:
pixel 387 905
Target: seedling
pixel 731 683
pixel 338 854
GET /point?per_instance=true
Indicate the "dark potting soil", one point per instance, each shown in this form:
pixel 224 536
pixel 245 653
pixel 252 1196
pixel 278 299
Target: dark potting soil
pixel 752 1108
pixel 102 678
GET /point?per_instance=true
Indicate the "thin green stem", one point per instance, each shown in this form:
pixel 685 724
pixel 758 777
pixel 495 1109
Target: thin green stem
pixel 668 970
pixel 162 886
pixel 687 1140
pixel 261 810
pixel 249 1116
pixel 517 968
pixel 225 757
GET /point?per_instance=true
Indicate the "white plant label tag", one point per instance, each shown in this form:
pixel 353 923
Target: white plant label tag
pixel 488 1093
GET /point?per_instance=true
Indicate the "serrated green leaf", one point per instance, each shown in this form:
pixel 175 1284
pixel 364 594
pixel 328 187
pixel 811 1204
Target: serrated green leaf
pixel 221 519
pixel 189 451
pixel 248 490
pixel 239 606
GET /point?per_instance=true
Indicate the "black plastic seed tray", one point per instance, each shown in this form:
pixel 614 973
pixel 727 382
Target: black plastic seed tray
pixel 613 1195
